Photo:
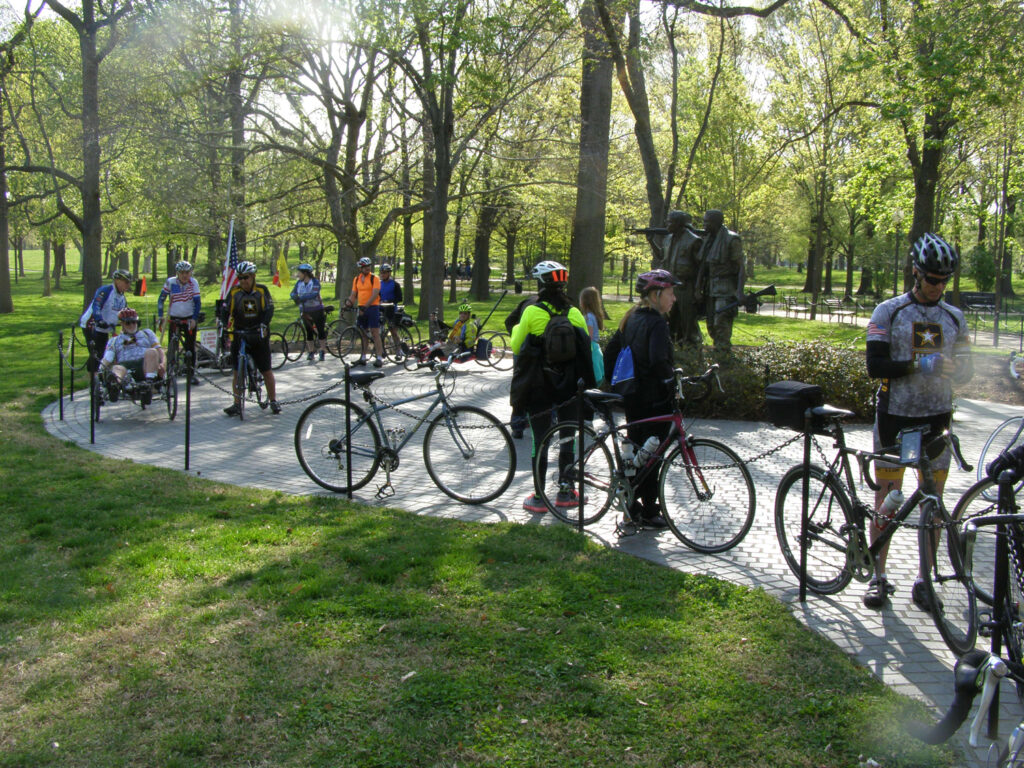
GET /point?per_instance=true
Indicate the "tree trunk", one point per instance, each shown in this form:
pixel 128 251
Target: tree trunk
pixel 60 265
pixel 486 223
pixel 586 254
pixel 46 267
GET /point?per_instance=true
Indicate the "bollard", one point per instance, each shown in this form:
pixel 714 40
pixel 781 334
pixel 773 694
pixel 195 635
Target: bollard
pixel 188 404
pixel 348 431
pixel 579 451
pixel 60 371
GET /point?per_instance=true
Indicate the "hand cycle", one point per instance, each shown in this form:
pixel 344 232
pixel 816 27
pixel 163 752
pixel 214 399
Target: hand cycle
pixel 468 453
pixel 837 525
pixel 248 380
pixel 295 333
pixel 493 349
pixel 706 493
pixel 107 389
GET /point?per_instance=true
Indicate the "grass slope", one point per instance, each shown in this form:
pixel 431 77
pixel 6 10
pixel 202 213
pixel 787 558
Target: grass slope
pixel 154 619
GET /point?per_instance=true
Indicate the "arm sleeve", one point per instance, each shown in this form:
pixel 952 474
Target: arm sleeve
pixel 659 352
pixel 294 295
pixel 611 353
pixel 197 301
pixel 882 366
pixel 164 293
pixel 268 309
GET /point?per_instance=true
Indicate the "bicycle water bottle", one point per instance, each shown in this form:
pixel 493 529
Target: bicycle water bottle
pixel 647 450
pixel 892 502
pixel 628 458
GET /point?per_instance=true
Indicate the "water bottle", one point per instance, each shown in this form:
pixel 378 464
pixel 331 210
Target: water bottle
pixel 647 450
pixel 892 502
pixel 628 459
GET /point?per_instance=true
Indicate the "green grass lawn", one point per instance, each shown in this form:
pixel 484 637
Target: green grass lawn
pixel 149 618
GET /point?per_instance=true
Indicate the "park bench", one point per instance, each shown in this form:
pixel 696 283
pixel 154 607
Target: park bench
pixel 834 308
pixel 796 306
pixel 977 301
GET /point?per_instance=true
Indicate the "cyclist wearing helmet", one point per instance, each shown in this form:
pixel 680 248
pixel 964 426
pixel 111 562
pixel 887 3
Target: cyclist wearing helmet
pixel 917 345
pixel 306 294
pixel 250 308
pixel 366 296
pixel 100 317
pixel 183 313
pixel 538 388
pixel 134 350
pixel 462 337
pixel 390 296
pixel 644 329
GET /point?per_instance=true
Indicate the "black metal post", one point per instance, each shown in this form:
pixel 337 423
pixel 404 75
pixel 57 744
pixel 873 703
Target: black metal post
pixel 71 382
pixel 92 408
pixel 60 371
pixel 348 430
pixel 189 369
pixel 579 451
pixel 803 505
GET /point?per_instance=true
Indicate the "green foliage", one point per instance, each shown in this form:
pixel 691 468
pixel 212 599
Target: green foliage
pixel 839 369
pixel 982 267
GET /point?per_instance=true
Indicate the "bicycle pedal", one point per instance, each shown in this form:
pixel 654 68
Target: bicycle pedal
pixel 385 491
pixel 627 528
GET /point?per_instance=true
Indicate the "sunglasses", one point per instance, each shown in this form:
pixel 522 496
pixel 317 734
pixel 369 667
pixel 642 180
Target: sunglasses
pixel 936 280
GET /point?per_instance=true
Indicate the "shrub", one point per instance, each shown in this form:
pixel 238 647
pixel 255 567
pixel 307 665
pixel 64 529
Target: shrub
pixel 839 370
pixel 982 266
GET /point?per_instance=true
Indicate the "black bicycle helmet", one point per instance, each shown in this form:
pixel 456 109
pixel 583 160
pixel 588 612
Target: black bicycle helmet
pixel 245 268
pixel 931 254
pixel 550 273
pixel 183 266
pixel 122 274
pixel 385 267
pixel 655 279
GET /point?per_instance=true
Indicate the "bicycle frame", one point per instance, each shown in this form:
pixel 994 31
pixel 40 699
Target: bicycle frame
pixel 376 409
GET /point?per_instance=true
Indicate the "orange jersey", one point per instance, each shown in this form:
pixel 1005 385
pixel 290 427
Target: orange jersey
pixel 364 286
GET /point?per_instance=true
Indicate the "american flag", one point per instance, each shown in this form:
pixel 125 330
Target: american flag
pixel 230 279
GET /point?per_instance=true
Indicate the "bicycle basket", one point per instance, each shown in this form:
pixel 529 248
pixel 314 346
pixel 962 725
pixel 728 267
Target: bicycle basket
pixel 788 401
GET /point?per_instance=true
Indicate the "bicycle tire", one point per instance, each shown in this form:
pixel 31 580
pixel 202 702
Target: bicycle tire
pixel 294 332
pixel 240 384
pixel 173 363
pixel 469 454
pixel 334 329
pixel 828 528
pixel 1005 436
pixel 500 357
pixel 171 396
pixel 947 587
pixel 710 507
pixel 320 445
pixel 980 499
pixel 598 469
pixel 279 350
pixel 418 355
pixel 405 344
pixel 350 343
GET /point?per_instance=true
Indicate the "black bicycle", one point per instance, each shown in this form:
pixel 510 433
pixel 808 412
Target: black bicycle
pixel 248 383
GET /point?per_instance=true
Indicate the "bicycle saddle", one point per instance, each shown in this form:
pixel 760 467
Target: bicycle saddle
pixel 831 412
pixel 600 396
pixel 363 378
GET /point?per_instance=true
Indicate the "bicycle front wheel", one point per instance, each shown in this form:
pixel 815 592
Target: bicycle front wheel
pixel 559 485
pixel 171 396
pixel 280 350
pixel 320 445
pixel 500 351
pixel 396 352
pixel 1003 438
pixel 981 499
pixel 469 454
pixel 350 343
pixel 707 495
pixel 947 588
pixel 828 528
pixel 240 382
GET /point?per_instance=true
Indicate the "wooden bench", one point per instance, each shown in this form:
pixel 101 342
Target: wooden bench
pixel 795 305
pixel 835 308
pixel 977 301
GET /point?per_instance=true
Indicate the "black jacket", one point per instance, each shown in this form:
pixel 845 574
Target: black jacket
pixel 646 333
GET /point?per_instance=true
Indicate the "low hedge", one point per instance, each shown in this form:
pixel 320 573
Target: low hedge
pixel 839 370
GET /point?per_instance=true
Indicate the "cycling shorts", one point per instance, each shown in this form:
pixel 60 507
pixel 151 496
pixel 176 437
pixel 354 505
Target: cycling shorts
pixel 257 347
pixel 369 317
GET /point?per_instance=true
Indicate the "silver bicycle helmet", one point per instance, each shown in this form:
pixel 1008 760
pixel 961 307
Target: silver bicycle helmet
pixel 122 274
pixel 366 261
pixel 931 254
pixel 183 266
pixel 245 268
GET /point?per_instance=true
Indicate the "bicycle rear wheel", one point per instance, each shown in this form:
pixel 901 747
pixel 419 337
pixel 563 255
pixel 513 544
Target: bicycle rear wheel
pixel 280 350
pixel 828 528
pixel 350 343
pixel 396 354
pixel 707 496
pixel 559 486
pixel 171 396
pixel 320 438
pixel 947 588
pixel 1003 438
pixel 500 353
pixel 469 454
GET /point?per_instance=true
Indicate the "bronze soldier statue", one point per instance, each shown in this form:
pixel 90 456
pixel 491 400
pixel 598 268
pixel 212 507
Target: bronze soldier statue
pixel 680 255
pixel 721 277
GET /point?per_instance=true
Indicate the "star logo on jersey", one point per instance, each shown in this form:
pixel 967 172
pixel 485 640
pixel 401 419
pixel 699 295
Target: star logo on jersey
pixel 927 337
pixel 250 306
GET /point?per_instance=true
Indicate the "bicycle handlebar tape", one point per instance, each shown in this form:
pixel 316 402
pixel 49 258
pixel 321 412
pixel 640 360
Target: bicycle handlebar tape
pixel 1012 460
pixel 966 674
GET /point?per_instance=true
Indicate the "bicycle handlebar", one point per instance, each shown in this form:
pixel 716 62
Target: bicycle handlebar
pixel 704 381
pixel 889 453
pixel 976 671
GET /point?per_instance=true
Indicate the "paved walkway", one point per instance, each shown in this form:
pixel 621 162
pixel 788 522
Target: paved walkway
pixel 898 644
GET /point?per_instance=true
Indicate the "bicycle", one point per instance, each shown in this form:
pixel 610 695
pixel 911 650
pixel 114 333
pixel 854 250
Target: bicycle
pixel 706 492
pixel 1004 437
pixel 295 333
pixel 836 538
pixel 493 349
pixel 107 389
pixel 178 336
pixel 468 453
pixel 354 341
pixel 248 380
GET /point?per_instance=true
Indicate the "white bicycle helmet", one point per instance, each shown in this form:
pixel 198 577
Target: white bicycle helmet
pixel 930 253
pixel 183 266
pixel 245 268
pixel 550 273
pixel 364 262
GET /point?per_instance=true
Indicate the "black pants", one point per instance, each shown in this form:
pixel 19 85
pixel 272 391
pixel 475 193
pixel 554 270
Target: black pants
pixel 99 346
pixel 540 422
pixel 647 490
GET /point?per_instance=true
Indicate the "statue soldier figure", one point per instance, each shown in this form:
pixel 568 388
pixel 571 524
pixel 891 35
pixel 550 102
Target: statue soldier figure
pixel 680 255
pixel 721 277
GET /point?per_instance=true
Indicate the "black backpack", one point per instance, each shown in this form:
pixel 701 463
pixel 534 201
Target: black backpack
pixel 559 338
